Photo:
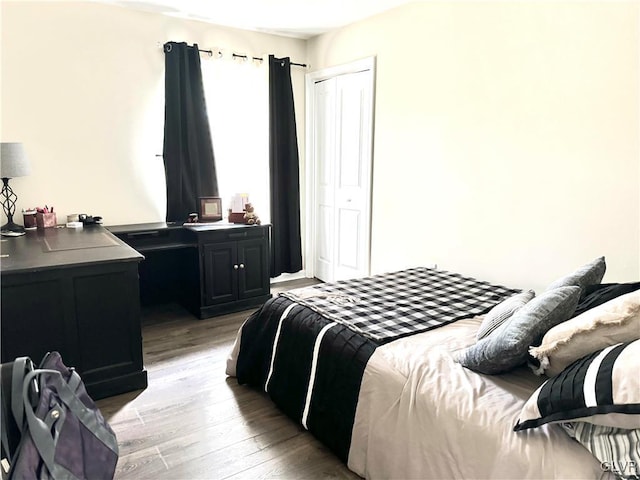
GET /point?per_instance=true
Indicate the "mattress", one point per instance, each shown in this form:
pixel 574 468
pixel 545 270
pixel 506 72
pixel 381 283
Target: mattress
pixel 402 408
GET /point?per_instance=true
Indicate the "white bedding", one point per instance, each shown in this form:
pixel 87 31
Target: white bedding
pixel 421 415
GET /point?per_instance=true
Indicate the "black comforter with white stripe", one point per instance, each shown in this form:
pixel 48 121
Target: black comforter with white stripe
pixel 310 353
pixel 313 374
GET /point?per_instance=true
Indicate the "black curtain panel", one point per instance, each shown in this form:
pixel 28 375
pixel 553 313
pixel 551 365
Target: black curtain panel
pixel 286 248
pixel 188 152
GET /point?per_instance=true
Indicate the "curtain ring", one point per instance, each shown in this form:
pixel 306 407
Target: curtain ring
pixel 282 63
pixel 168 47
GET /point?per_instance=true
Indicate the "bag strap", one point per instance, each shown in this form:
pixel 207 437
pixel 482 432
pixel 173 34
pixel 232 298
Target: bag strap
pixel 6 459
pixel 6 452
pixel 13 421
pixel 21 367
pixel 74 380
pixel 6 370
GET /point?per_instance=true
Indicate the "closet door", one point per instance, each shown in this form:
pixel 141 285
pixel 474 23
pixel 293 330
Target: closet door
pixel 325 155
pixel 343 157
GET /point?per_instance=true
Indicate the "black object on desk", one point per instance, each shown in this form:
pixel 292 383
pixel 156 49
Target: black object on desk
pixel 209 268
pixel 75 291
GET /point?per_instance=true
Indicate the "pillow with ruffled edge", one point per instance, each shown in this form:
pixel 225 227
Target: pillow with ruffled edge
pixel 589 274
pixel 618 449
pixel 602 388
pixel 508 346
pixel 502 312
pixel 615 321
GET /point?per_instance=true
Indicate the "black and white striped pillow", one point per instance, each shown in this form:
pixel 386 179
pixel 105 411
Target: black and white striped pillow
pixel 602 388
pixel 618 449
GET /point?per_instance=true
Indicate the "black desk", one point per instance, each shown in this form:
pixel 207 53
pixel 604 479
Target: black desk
pixel 169 271
pixel 74 291
pixel 209 268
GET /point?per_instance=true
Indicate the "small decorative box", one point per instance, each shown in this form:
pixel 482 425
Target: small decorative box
pixel 236 217
pixel 46 220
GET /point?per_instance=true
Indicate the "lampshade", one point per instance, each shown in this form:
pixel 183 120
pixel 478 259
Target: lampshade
pixel 13 161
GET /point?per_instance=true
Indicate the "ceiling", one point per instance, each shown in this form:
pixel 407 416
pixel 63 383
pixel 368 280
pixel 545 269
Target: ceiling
pixel 292 18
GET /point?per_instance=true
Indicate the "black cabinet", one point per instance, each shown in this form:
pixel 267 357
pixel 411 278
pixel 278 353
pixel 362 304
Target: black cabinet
pixel 75 292
pixel 220 280
pixel 235 269
pixel 209 268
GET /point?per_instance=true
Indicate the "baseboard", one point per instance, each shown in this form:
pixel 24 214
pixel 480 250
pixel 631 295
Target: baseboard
pixel 285 277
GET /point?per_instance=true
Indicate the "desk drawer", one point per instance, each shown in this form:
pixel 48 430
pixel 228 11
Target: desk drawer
pixel 231 234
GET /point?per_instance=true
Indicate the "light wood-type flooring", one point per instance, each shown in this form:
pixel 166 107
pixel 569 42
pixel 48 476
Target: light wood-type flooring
pixel 194 422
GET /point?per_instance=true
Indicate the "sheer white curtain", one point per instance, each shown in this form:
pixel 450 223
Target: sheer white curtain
pixel 237 95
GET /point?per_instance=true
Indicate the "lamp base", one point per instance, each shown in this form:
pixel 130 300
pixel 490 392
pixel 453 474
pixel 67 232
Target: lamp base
pixel 11 227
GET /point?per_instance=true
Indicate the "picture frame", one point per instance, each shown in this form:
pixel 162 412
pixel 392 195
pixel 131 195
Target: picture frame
pixel 210 209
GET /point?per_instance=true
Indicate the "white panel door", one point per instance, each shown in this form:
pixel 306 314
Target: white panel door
pixel 343 175
pixel 324 153
pixel 353 182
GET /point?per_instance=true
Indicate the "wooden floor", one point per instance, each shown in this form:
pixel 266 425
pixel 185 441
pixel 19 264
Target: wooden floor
pixel 195 422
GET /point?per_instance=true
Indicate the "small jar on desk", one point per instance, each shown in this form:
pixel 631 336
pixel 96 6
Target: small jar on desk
pixel 29 219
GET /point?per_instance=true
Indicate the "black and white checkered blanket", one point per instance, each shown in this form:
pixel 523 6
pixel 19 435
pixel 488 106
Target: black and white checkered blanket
pixel 392 305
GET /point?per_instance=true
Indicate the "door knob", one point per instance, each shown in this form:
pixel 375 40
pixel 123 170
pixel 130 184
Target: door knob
pixel 242 265
pixel 235 267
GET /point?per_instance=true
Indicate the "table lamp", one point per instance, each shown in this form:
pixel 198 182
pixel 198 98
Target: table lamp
pixel 13 163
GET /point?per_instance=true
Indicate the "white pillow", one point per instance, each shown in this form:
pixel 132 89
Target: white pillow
pixel 615 321
pixel 502 312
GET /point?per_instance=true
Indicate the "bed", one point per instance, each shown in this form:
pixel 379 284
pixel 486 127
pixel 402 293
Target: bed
pixel 371 368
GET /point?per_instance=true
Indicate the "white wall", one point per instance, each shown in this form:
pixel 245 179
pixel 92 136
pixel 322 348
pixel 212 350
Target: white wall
pixel 506 141
pixel 507 136
pixel 82 86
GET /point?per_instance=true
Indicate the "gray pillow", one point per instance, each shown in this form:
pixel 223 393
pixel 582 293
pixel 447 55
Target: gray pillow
pixel 589 274
pixel 502 312
pixel 508 346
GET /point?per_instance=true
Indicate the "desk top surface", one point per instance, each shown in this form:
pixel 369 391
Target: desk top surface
pixel 61 248
pixel 196 227
pixel 139 227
